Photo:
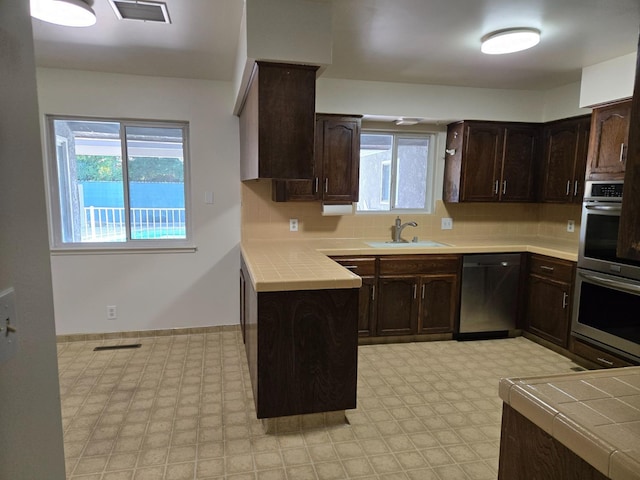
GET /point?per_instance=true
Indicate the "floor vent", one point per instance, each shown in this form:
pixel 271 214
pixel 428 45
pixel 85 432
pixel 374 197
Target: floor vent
pixel 141 10
pixel 117 347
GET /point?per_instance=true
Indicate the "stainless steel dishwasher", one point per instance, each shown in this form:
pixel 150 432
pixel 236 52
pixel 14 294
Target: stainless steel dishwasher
pixel 488 304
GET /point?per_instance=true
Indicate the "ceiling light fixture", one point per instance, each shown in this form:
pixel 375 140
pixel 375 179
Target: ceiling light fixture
pixel 510 40
pixel 69 13
pixel 407 121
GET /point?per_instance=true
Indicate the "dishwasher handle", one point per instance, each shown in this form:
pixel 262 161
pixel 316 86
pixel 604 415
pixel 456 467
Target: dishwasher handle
pixel 483 265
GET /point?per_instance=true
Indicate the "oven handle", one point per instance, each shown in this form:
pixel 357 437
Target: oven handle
pixel 625 287
pixel 609 208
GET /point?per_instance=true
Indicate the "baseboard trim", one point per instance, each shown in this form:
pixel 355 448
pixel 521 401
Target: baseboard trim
pixel 167 332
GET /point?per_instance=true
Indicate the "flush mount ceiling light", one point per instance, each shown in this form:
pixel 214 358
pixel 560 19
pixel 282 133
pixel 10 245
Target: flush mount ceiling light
pixel 510 40
pixel 69 13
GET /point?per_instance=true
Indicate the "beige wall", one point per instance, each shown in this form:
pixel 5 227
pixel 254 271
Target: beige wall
pixel 156 290
pixel 264 219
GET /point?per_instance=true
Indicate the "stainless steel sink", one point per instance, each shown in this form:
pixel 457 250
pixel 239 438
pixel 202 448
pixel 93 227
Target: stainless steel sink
pixel 420 244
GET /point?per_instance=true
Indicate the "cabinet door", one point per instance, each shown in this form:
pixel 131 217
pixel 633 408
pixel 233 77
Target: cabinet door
pixel 608 144
pixel 580 166
pixel 340 159
pixel 367 309
pixel 438 303
pixel 481 160
pixel 277 122
pixel 518 162
pixel 561 143
pixel 397 305
pixel 548 309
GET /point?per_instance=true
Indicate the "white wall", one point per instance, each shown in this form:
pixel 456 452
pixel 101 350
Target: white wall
pixel 30 420
pixel 563 102
pixel 156 290
pixel 608 81
pixel 441 103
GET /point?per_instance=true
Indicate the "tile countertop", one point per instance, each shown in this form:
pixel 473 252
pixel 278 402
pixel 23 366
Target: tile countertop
pixel 283 265
pixel 596 414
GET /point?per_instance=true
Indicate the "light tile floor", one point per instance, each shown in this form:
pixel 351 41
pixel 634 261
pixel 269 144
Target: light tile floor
pixel 181 407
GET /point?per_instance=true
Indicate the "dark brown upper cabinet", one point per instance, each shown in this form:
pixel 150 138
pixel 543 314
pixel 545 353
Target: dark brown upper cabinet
pixel 608 142
pixel 491 162
pixel 564 159
pixel 337 164
pixel 629 233
pixel 277 122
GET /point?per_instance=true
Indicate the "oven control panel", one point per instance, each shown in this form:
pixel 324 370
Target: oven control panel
pixel 603 190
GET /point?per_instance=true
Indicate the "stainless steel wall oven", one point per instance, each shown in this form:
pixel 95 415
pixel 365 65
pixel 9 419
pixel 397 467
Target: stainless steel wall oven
pixel 606 307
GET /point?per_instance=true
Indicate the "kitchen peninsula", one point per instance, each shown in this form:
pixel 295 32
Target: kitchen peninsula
pixel 299 314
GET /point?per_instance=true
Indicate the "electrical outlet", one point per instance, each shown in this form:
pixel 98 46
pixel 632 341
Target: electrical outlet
pixel 571 226
pixel 293 224
pixel 112 312
pixel 446 223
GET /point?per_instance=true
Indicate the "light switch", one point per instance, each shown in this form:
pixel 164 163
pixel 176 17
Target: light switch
pixel 208 198
pixel 8 324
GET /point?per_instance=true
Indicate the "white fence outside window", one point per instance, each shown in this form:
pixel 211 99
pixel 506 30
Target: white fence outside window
pixel 108 224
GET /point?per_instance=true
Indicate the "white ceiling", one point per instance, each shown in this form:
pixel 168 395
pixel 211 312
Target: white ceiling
pixel 413 41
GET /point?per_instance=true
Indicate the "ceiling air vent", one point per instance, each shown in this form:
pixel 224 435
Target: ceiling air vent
pixel 141 10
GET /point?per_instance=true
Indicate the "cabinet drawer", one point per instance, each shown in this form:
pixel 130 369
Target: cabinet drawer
pixel 416 264
pixel 359 265
pixel 594 354
pixel 555 268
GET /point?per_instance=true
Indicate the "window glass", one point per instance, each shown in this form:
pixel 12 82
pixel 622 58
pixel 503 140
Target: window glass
pixel 394 172
pixel 118 182
pixel 411 173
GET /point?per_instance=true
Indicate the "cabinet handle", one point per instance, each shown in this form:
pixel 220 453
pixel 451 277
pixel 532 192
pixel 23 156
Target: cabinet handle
pixel 326 184
pixel 575 188
pixel 316 185
pixel 565 300
pixel 568 187
pixel 495 187
pixel 621 152
pixel 546 269
pixel 423 289
pixel 415 290
pixel 504 187
pixel 373 293
pixel 351 267
pixel 606 362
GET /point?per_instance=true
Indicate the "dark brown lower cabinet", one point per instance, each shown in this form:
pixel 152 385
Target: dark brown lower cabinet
pixel 549 289
pixel 438 303
pixel 367 308
pixel 365 268
pixel 243 293
pixel 302 349
pixel 397 305
pixel 528 452
pixel 418 294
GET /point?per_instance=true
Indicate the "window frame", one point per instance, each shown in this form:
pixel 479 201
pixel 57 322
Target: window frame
pixel 57 246
pixel 430 193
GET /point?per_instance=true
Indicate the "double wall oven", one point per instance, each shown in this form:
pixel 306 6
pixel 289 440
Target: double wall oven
pixel 606 309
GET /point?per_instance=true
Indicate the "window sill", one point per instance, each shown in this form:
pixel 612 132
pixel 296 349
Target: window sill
pixel 105 250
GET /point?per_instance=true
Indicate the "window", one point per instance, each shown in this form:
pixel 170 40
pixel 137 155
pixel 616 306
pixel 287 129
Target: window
pixel 118 184
pixel 395 172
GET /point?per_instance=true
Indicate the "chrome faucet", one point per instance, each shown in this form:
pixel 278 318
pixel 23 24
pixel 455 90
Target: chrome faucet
pixel 397 230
